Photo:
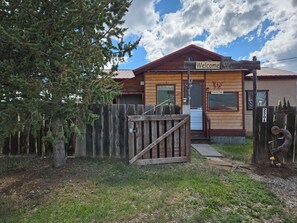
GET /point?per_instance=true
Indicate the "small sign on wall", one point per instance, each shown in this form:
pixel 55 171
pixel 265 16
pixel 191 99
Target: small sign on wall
pixel 216 92
pixel 264 115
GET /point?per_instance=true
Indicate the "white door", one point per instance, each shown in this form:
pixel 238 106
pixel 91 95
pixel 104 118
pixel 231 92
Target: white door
pixel 196 119
pixel 196 106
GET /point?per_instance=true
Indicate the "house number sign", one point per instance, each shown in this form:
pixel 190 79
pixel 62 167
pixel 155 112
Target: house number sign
pixel 264 115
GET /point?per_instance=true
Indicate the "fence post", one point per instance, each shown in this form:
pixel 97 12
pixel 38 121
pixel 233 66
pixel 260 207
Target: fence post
pixel 291 128
pixel 131 134
pixel 80 144
pixel 123 132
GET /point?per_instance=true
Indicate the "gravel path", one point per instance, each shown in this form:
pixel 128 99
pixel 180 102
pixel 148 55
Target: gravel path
pixel 281 181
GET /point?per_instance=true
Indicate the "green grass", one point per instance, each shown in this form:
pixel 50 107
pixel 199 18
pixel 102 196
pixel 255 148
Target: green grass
pixel 237 152
pixel 101 191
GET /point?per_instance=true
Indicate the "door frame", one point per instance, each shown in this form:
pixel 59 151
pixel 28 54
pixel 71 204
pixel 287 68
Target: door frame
pixel 203 83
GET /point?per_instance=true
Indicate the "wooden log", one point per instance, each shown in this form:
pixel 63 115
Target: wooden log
pixel 169 141
pixel 116 143
pixel 131 129
pixel 270 123
pixel 138 136
pixel 80 145
pixel 96 136
pixel 263 149
pixel 123 132
pixel 295 141
pixel 176 141
pixel 148 110
pixel 258 158
pixel 140 118
pixel 162 148
pixel 183 138
pixel 111 132
pixel 89 140
pixel 106 131
pixel 291 128
pixel 139 129
pixel 162 160
pixel 99 132
pixel 188 137
pixel 154 137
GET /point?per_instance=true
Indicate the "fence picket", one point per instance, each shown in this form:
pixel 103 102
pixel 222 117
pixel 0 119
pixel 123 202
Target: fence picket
pixel 123 131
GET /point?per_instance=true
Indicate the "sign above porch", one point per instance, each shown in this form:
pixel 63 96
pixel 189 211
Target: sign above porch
pixel 208 65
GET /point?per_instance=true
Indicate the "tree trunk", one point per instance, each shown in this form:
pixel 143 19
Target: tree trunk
pixel 58 145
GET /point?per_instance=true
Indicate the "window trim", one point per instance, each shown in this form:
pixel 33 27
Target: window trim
pixel 174 90
pixel 247 98
pixel 234 92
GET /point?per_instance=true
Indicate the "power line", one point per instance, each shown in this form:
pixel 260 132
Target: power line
pixel 289 58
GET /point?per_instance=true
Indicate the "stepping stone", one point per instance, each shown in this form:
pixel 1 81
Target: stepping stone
pixel 206 150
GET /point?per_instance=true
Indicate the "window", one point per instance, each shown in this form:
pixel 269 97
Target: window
pixel 227 101
pixel 262 99
pixel 165 94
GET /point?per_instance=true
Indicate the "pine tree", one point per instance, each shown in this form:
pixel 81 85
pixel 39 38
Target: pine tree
pixel 52 55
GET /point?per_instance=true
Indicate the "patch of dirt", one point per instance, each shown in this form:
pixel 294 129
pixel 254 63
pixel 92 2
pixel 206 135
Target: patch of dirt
pixel 34 181
pixel 282 181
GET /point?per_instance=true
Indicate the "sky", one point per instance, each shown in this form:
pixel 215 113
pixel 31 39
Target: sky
pixel 237 28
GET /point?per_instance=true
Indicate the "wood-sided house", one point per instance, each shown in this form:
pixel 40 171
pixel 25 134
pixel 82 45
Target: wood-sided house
pixel 217 93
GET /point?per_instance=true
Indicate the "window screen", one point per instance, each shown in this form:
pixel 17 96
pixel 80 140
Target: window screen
pixel 262 99
pixel 223 102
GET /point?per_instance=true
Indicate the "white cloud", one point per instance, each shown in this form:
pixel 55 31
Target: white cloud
pixel 141 16
pixel 220 23
pixel 284 44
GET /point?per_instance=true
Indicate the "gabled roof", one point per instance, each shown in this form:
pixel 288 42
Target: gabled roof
pixel 123 74
pixel 176 54
pixel 268 72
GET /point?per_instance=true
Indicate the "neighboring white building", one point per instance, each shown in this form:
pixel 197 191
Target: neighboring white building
pixel 273 85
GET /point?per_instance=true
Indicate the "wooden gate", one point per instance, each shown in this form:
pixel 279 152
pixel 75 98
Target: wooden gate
pixel 156 139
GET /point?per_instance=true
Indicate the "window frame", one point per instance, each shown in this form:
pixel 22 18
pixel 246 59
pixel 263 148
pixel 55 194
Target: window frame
pixel 174 92
pixel 247 98
pixel 237 102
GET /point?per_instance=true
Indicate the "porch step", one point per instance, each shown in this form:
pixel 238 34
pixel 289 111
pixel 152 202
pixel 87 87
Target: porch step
pixel 199 137
pixel 199 140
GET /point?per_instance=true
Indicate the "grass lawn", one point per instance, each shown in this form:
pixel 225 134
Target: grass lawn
pixel 235 151
pixel 90 190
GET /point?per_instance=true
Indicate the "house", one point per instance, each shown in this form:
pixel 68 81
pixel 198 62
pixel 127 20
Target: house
pixel 273 85
pixel 217 92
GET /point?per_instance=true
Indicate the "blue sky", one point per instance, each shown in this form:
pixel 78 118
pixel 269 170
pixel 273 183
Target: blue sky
pixel 236 28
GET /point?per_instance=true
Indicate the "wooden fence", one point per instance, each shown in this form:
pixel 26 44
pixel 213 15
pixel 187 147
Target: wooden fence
pixel 266 117
pixel 108 136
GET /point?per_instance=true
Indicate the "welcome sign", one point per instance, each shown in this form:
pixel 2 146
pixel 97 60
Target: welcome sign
pixel 208 65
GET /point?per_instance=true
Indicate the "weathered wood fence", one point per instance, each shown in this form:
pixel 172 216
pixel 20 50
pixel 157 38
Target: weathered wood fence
pixel 111 137
pixel 266 117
